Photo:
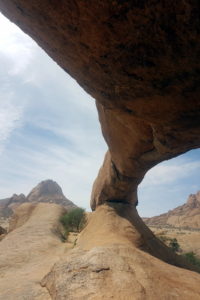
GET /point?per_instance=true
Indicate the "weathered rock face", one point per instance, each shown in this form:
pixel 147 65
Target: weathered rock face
pixel 119 272
pixel 140 60
pixel 7 207
pixel 194 200
pixel 186 215
pixel 14 200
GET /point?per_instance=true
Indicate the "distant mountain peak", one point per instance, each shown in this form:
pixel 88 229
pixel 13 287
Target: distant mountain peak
pixel 194 200
pixel 47 191
pixel 45 188
pixel 18 198
pixel 186 215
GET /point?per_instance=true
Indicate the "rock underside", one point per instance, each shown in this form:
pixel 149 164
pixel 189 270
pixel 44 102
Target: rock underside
pixel 140 61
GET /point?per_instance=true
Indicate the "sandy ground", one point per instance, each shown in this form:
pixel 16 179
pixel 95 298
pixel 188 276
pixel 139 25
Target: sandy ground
pixel 189 240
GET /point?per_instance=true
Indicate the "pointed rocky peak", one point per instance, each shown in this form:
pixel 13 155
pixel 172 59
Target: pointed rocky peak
pixel 45 188
pixel 13 199
pixel 194 200
pixel 7 205
pixel 18 198
pixel 49 191
pixel 198 196
pixel 186 215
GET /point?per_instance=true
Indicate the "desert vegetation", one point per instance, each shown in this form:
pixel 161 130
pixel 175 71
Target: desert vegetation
pixel 192 258
pixel 73 221
pixel 172 243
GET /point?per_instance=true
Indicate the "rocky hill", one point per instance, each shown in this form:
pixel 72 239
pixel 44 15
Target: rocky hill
pixel 7 204
pixel 47 191
pixel 186 215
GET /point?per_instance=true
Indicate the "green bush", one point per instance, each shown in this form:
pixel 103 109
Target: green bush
pixel 74 220
pixel 170 242
pixel 192 258
pixel 174 245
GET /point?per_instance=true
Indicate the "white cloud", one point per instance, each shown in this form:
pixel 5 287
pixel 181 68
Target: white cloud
pixel 10 116
pixel 59 136
pixel 169 172
pixel 15 45
pixel 168 185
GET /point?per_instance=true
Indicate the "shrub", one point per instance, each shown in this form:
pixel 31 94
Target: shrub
pixel 74 220
pixel 174 245
pixel 192 258
pixel 170 242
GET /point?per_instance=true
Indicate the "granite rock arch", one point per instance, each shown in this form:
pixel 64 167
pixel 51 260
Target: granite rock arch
pixel 140 61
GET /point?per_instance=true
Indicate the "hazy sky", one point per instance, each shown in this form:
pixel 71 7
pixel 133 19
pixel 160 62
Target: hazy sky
pixel 49 129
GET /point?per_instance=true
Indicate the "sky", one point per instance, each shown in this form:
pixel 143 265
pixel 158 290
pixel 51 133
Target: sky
pixel 49 129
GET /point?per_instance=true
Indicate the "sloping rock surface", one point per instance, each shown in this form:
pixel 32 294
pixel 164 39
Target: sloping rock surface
pixel 186 215
pixel 112 260
pixel 29 251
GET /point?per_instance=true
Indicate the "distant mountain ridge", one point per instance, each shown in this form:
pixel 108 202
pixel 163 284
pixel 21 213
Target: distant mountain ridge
pixel 186 215
pixel 47 191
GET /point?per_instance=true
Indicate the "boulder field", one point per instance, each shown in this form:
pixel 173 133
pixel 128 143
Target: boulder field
pixel 140 61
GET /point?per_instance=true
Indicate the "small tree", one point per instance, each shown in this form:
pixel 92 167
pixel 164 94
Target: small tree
pixel 73 220
pixel 174 245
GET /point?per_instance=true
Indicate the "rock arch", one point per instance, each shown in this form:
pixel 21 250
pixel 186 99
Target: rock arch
pixel 140 61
